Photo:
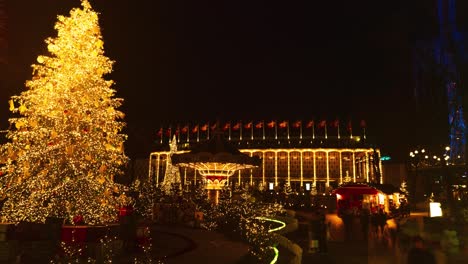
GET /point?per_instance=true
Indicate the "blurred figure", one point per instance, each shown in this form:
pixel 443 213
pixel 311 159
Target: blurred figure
pixel 419 254
pixel 364 219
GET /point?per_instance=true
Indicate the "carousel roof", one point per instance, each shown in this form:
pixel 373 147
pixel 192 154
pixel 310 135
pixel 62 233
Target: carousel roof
pixel 216 157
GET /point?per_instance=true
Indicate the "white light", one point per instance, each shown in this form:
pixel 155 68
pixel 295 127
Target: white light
pixel 411 154
pixel 435 157
pixel 447 148
pixel 423 150
pixel 270 186
pixel 307 185
pixel 426 156
pixel 435 209
pixel 416 152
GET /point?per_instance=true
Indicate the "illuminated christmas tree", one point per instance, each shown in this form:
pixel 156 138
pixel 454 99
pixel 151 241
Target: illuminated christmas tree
pixel 171 182
pixel 64 143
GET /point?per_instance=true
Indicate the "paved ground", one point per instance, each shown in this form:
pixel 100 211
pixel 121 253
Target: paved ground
pixel 174 245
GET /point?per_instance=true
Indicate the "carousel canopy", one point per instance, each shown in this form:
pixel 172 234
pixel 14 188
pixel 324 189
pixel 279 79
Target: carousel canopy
pixel 216 157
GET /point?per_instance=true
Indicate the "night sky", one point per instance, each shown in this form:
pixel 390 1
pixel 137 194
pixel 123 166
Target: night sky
pixel 199 61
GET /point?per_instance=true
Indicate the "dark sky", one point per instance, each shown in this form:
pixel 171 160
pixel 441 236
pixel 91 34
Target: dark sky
pixel 198 61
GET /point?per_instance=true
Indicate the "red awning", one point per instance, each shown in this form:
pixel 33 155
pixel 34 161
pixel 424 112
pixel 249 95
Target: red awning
pixel 355 189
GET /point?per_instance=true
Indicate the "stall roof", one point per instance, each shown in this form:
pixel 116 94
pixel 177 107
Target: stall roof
pixel 355 189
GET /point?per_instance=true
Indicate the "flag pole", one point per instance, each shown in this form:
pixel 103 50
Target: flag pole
pixel 287 127
pixel 300 130
pixel 208 131
pixel 263 128
pixel 338 130
pixel 229 130
pixel 276 130
pixel 326 136
pixel 198 132
pixel 240 131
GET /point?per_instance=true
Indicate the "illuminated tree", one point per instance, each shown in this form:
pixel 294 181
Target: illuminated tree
pixel 64 143
pixel 172 177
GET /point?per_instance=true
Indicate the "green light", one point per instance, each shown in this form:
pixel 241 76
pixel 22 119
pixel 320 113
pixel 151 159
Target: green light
pixel 273 261
pixel 383 158
pixel 283 224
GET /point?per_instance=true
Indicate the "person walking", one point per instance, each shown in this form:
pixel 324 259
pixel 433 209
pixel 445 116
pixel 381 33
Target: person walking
pixel 419 253
pixel 364 219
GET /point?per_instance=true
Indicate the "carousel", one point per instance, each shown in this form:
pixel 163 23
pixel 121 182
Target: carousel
pixel 216 160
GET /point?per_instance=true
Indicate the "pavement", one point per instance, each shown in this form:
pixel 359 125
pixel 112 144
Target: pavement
pixel 177 245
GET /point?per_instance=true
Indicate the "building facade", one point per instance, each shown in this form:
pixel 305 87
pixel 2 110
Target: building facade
pixel 325 159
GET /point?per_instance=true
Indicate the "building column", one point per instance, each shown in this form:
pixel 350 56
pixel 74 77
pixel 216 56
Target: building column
pixel 315 169
pixel 157 169
pixel 380 168
pixel 354 166
pixel 239 182
pixel 341 170
pixel 367 167
pixel 328 169
pixel 185 176
pixel 289 168
pixel 302 170
pixel 276 168
pixel 263 168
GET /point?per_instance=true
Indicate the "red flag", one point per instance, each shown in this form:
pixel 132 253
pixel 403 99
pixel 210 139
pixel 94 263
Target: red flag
pixel 213 127
pixel 350 126
pixel 169 132
pixel 204 127
pixel 283 124
pixel 322 124
pixel 236 126
pixel 248 125
pixel 226 126
pixel 259 125
pixel 160 132
pixel 335 123
pixel 195 129
pixel 363 123
pixel 310 124
pixel 271 124
pixel 297 124
pixel 185 129
pixel 177 131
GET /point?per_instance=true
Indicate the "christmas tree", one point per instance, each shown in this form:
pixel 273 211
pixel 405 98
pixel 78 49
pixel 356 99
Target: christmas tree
pixel 64 143
pixel 171 181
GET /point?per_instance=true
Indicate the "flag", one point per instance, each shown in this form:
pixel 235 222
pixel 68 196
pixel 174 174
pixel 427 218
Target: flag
pixel 236 126
pixel 271 124
pixel 177 131
pixel 335 123
pixel 363 123
pixel 226 126
pixel 185 129
pixel 169 132
pixel 195 129
pixel 213 127
pixel 204 127
pixel 259 125
pixel 350 126
pixel 310 124
pixel 322 124
pixel 160 132
pixel 248 125
pixel 283 124
pixel 297 124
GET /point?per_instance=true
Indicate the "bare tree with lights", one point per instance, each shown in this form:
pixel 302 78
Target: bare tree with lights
pixel 64 143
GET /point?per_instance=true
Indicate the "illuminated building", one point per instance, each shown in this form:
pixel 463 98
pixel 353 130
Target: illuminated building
pixel 290 153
